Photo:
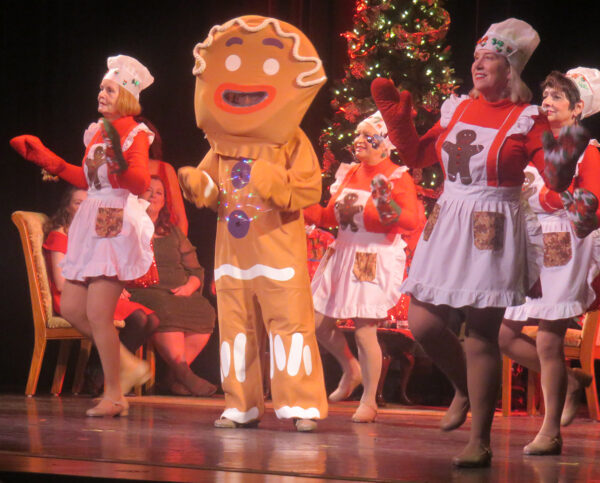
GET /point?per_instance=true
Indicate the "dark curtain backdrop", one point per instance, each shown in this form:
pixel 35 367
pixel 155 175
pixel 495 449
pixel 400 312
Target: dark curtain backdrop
pixel 53 58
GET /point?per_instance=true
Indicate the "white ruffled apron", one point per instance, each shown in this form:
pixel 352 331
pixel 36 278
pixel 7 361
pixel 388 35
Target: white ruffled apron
pixel 111 232
pixel 570 263
pixel 361 272
pixel 481 246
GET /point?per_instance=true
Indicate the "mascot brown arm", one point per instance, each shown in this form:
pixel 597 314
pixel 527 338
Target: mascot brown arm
pixel 294 186
pixel 199 185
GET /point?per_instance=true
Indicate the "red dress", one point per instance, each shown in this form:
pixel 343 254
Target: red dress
pixel 57 242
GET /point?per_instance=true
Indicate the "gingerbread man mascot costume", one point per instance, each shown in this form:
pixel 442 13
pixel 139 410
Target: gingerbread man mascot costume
pixel 255 78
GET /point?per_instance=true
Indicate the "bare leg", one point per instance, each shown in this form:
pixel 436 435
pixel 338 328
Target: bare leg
pixel 518 346
pixel 139 326
pixel 484 373
pixel 550 348
pixel 428 324
pixel 103 295
pixel 194 344
pixel 73 306
pixel 330 337
pixel 370 358
pixel 171 347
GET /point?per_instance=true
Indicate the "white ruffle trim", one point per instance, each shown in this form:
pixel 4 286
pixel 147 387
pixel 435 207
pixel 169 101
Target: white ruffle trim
pixel 90 132
pixel 525 121
pixel 141 127
pixel 340 174
pixel 448 108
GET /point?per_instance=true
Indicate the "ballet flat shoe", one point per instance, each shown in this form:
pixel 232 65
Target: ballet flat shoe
pixel 573 398
pixel 480 459
pixel 225 423
pixel 364 414
pixel 137 376
pixel 109 408
pixel 544 446
pixel 342 393
pixel 305 425
pixel 455 418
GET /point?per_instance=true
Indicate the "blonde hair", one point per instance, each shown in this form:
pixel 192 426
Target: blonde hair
pixel 517 90
pixel 127 104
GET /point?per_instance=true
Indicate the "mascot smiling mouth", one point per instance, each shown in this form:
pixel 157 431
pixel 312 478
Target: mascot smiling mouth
pixel 243 99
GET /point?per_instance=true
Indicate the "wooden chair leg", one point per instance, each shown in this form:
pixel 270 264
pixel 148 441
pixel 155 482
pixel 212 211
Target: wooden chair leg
pixel 39 349
pixel 140 354
pixel 506 386
pixel 534 394
pixel 82 360
pixel 61 366
pixel 591 392
pixel 151 359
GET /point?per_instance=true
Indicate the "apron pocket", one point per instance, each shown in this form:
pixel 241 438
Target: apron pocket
pixel 109 222
pixel 488 230
pixel 431 221
pixel 365 266
pixel 557 249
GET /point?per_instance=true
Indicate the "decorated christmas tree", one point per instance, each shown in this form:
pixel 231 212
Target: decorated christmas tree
pixel 402 40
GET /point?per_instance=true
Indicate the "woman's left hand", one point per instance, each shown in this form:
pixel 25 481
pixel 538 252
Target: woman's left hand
pixel 187 288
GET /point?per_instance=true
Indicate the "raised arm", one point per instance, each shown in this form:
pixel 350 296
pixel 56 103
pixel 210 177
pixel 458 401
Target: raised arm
pixel 396 110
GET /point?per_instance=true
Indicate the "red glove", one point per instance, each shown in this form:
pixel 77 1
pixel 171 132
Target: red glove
pixel 561 155
pixel 396 110
pixel 387 208
pixel 32 149
pixel 581 207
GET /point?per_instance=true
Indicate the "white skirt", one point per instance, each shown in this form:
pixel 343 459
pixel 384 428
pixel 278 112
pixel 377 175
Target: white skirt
pixel 481 247
pixel 110 236
pixel 360 276
pixel 570 266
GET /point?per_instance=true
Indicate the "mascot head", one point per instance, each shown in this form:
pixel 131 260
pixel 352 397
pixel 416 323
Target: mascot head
pixel 255 78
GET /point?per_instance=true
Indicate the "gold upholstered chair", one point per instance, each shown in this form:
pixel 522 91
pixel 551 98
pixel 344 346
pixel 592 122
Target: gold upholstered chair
pixel 580 345
pixel 47 326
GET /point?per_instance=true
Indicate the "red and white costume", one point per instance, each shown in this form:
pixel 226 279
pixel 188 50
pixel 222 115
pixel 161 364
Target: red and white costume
pixel 481 247
pixel 361 272
pixel 570 263
pixel 111 232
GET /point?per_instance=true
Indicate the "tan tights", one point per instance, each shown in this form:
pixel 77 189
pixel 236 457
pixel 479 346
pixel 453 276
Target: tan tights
pixel 369 351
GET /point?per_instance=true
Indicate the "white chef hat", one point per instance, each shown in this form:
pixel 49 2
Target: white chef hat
pixel 587 81
pixel 129 73
pixel 376 121
pixel 513 38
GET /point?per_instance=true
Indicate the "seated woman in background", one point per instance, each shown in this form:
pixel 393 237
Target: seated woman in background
pixel 374 202
pixel 186 318
pixel 140 322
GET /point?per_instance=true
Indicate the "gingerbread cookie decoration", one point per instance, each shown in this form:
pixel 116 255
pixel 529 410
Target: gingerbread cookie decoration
pixel 460 154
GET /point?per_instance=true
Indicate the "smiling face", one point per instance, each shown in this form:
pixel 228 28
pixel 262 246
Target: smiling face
pixel 558 108
pixel 155 195
pixel 250 82
pixel 107 99
pixel 368 145
pixel 491 73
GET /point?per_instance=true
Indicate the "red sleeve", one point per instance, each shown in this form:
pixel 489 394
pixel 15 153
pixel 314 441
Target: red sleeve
pixel 321 216
pixel 56 242
pixel 404 194
pixel 74 175
pixel 137 176
pixel 588 176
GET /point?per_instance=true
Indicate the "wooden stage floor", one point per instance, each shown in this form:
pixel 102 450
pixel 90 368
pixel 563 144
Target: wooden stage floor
pixel 173 439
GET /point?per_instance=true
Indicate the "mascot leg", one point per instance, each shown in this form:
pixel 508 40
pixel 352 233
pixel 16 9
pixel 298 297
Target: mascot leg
pixel 241 373
pixel 297 384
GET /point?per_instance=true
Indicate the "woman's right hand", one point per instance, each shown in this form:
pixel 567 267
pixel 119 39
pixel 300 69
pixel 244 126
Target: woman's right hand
pixel 32 149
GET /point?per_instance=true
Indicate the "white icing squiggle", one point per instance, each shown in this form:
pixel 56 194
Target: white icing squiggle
pixel 258 270
pixel 268 21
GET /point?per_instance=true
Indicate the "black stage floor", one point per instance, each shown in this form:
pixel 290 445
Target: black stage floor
pixel 48 438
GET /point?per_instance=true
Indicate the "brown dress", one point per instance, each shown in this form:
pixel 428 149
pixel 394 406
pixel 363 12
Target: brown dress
pixel 176 261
